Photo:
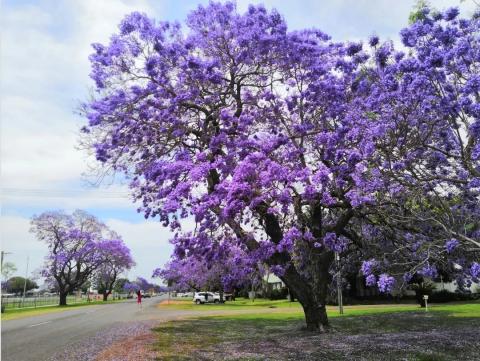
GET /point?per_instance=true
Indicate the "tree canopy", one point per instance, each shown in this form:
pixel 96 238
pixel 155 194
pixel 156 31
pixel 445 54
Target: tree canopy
pixel 16 285
pixel 293 147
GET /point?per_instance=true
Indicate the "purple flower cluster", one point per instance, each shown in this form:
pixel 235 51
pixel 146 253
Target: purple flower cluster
pixel 475 270
pixel 429 271
pixel 368 267
pixel 451 245
pixel 337 244
pixel 371 280
pixel 385 283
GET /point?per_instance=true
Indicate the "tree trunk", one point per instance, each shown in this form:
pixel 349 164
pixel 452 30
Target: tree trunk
pixel 419 298
pixel 316 317
pixel 312 295
pixel 63 298
pixel 105 295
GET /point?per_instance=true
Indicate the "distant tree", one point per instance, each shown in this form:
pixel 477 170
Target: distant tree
pixel 78 245
pixel 130 287
pixel 140 284
pixel 119 260
pixel 143 284
pixel 421 286
pixel 8 269
pixel 222 270
pixel 16 285
pixel 119 285
pixel 86 286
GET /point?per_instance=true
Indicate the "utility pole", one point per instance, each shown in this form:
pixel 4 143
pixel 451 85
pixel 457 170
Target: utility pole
pixel 4 253
pixel 339 284
pixel 25 283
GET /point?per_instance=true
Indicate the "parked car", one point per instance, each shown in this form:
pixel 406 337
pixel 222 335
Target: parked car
pixel 206 297
pixel 228 296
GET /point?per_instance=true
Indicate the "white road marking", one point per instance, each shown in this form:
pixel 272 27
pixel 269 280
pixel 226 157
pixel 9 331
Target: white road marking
pixel 38 324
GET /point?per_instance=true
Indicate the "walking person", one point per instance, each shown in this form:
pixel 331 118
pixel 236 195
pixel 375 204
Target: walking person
pixel 139 298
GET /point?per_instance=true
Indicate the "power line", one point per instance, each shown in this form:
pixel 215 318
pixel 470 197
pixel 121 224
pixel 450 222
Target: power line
pixel 62 193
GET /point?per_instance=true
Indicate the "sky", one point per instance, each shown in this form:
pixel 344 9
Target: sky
pixel 44 77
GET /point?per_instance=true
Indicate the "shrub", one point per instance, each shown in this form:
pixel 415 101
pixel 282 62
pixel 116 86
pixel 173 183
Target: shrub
pixel 447 296
pixel 280 294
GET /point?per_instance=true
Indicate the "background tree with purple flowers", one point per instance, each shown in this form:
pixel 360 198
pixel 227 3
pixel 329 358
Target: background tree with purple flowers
pixel 119 260
pixel 292 147
pixel 221 270
pixel 140 284
pixel 78 246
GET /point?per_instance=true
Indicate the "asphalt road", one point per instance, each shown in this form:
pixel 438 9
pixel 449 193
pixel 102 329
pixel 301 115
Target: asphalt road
pixel 38 338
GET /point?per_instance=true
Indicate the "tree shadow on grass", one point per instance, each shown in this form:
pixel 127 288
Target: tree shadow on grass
pixel 387 336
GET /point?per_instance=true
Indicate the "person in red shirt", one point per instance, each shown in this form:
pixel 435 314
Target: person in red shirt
pixel 139 298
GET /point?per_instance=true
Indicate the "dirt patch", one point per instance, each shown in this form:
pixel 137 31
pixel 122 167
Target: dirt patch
pixel 136 335
pixel 130 349
pixel 171 302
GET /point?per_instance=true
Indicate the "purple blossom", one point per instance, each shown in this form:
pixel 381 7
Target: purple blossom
pixel 353 48
pixel 374 40
pixel 475 183
pixel 451 14
pixel 429 271
pixel 451 245
pixel 475 270
pixel 368 267
pixel 337 244
pixel 371 280
pixel 385 283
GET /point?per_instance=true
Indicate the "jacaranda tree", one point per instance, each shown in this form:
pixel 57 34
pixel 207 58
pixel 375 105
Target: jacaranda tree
pixel 140 284
pixel 223 270
pixel 118 261
pixel 78 246
pixel 282 143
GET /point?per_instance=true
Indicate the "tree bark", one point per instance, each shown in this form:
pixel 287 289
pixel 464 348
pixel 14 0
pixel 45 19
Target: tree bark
pixel 105 295
pixel 314 309
pixel 63 298
pixel 316 317
pixel 312 295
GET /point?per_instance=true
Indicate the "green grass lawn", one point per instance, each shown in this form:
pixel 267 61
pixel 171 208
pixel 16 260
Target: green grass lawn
pixel 240 303
pixel 15 313
pixel 271 330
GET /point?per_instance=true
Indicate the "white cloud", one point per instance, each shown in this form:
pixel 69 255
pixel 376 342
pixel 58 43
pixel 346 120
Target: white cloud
pixel 16 239
pixel 352 19
pixel 149 242
pixel 43 79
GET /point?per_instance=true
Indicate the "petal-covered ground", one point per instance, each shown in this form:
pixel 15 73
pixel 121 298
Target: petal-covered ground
pixel 125 341
pixel 266 332
pixel 444 334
